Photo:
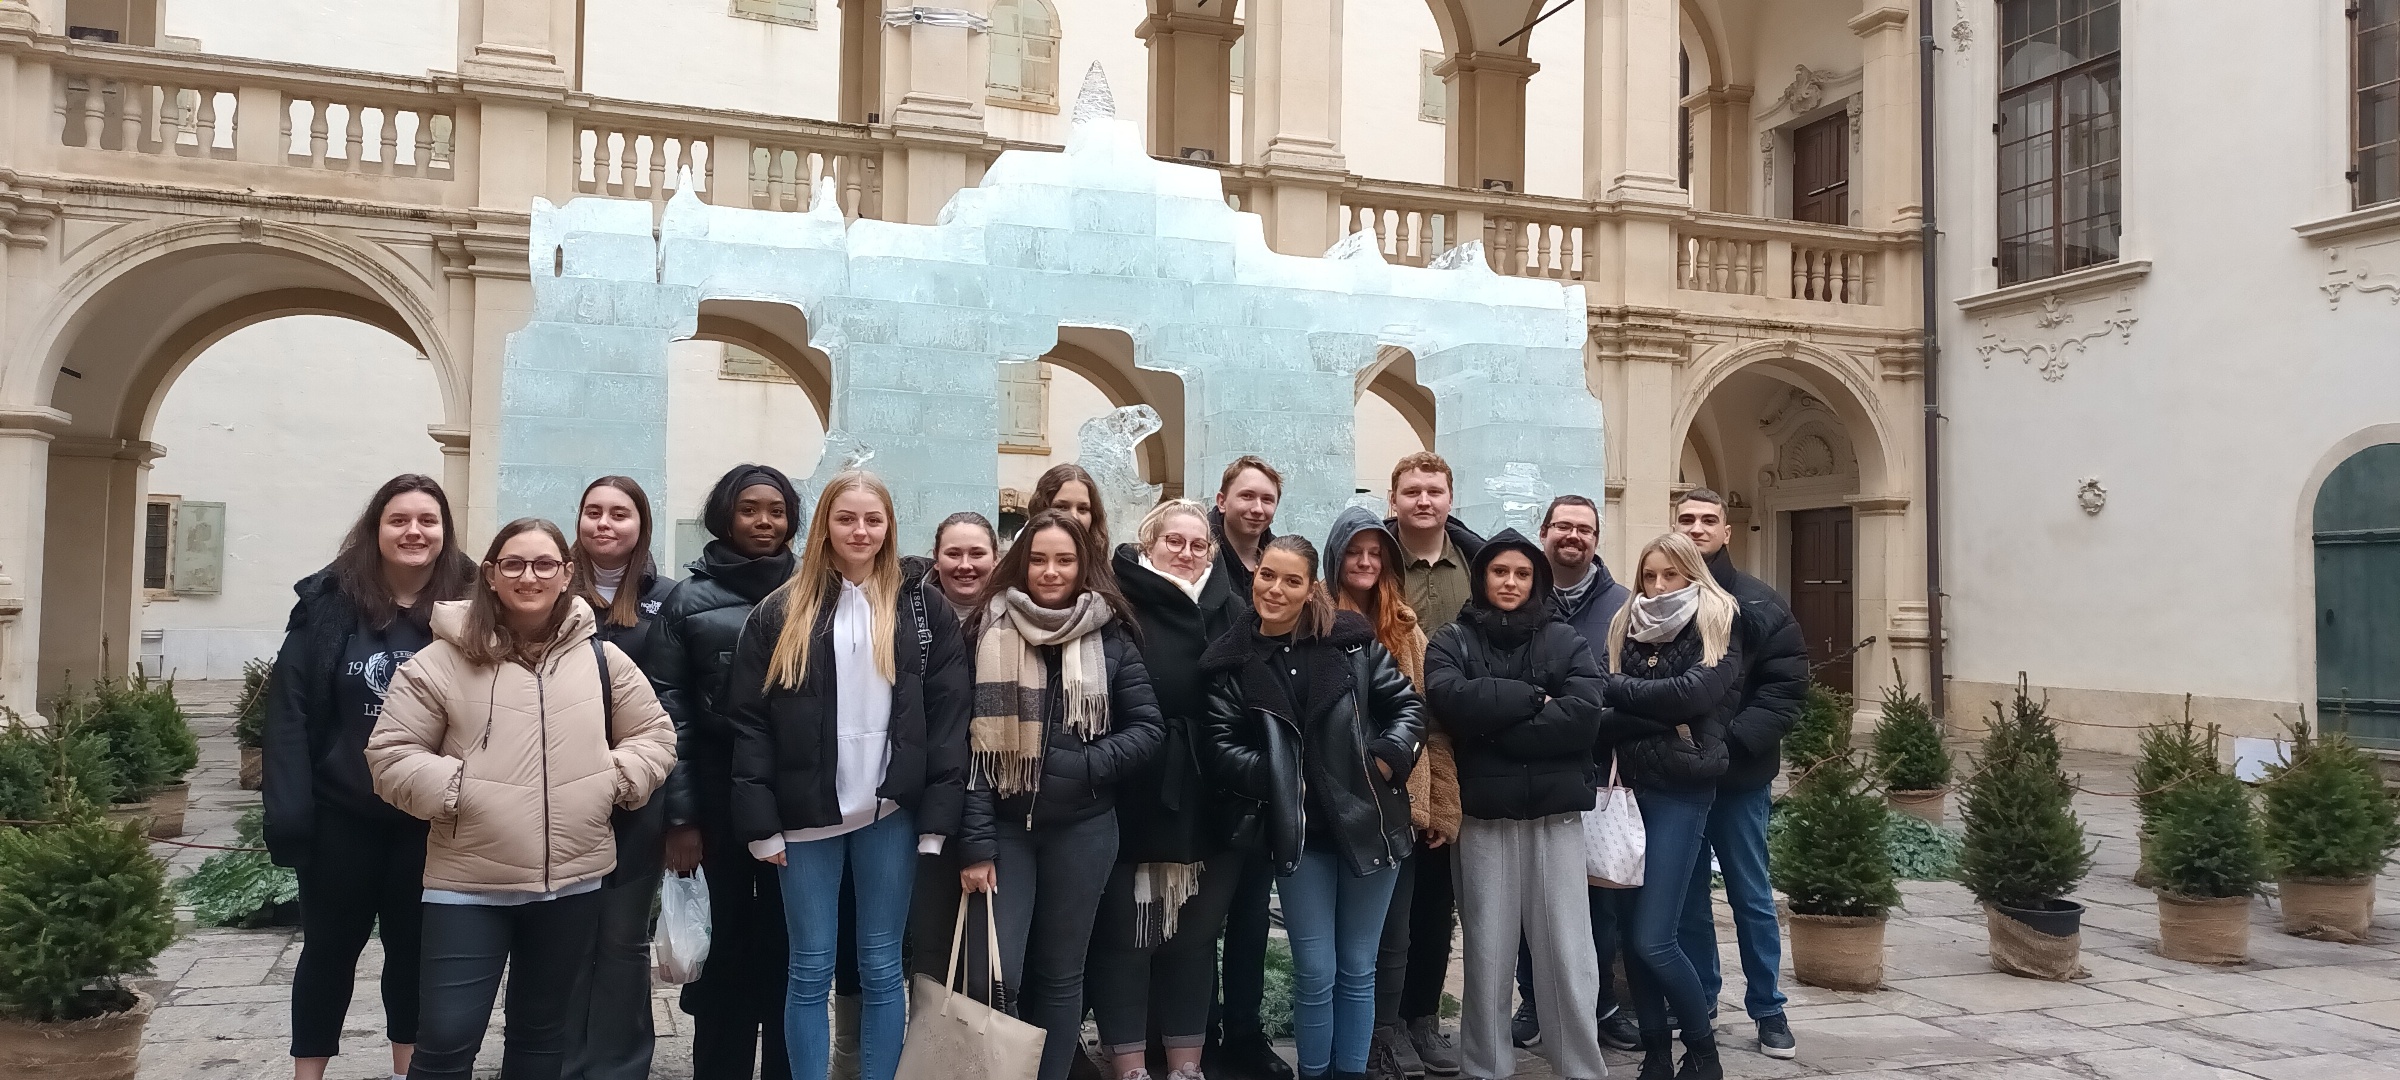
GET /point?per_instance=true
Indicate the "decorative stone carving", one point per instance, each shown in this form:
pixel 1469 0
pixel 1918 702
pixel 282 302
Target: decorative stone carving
pixel 1962 32
pixel 1857 109
pixel 1807 88
pixel 1808 438
pixel 2057 340
pixel 2359 278
pixel 1766 158
pixel 1794 400
pixel 2090 495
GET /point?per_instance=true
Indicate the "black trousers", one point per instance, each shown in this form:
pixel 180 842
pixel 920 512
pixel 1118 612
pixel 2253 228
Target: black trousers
pixel 610 1034
pixel 933 914
pixel 361 873
pixel 1050 883
pixel 1245 964
pixel 1432 920
pixel 1168 982
pixel 736 1004
pixel 545 948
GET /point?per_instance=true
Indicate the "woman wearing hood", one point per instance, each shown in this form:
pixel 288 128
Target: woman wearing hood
pixel 1154 944
pixel 1367 579
pixel 736 1004
pixel 1519 694
pixel 515 733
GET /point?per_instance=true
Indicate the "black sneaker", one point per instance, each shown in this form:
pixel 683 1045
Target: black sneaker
pixel 1619 1032
pixel 1775 1037
pixel 1247 1055
pixel 1525 1029
pixel 1700 1063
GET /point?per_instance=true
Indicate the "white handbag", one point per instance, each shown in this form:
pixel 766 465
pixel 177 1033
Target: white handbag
pixel 1614 843
pixel 951 1036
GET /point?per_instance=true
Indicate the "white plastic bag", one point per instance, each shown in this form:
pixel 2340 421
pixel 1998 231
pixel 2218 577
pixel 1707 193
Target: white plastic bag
pixel 681 944
pixel 1614 843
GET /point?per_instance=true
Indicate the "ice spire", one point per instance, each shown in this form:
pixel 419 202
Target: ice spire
pixel 1094 101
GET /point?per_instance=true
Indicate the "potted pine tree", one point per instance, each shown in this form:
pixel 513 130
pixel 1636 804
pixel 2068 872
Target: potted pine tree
pixel 1822 731
pixel 1909 756
pixel 2330 826
pixel 2023 851
pixel 2207 857
pixel 2170 753
pixel 1830 856
pixel 30 759
pixel 82 906
pixel 250 722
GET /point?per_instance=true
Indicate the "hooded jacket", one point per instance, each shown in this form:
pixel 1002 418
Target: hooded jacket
pixel 1774 683
pixel 1360 710
pixel 698 627
pixel 303 724
pixel 1522 714
pixel 1433 784
pixel 518 767
pixel 1164 812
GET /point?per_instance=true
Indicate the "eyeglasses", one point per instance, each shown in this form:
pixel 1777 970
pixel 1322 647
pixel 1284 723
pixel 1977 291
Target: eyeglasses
pixel 1183 545
pixel 543 569
pixel 1573 530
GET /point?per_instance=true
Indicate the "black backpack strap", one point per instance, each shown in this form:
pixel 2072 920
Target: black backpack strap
pixel 916 607
pixel 608 691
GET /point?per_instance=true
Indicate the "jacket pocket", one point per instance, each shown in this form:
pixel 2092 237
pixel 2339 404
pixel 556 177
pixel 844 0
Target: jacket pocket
pixel 792 722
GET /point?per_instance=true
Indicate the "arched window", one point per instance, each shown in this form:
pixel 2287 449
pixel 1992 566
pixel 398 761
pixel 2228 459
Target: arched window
pixel 1024 43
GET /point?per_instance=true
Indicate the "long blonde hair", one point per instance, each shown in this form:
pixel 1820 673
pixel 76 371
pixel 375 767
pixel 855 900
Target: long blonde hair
pixel 1717 607
pixel 807 591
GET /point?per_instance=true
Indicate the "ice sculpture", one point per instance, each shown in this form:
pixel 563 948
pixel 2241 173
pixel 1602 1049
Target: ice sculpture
pixel 1104 447
pixel 915 318
pixel 1522 495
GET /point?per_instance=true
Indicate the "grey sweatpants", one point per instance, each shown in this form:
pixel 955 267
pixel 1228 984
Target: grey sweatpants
pixel 1526 877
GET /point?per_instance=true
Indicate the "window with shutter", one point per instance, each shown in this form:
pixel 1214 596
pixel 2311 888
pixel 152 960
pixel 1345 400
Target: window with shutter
pixel 1025 408
pixel 791 12
pixel 745 365
pixel 199 549
pixel 158 544
pixel 1024 55
pixel 1433 95
pixel 2375 100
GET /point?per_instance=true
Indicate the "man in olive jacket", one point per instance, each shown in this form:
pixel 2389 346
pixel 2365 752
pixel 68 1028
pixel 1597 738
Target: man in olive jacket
pixel 1774 685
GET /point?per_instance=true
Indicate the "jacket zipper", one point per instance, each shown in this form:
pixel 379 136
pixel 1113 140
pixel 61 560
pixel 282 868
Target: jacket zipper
pixel 1303 777
pixel 1383 825
pixel 542 710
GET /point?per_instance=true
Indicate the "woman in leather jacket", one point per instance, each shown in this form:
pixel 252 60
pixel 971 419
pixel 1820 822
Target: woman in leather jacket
pixel 1673 683
pixel 1310 717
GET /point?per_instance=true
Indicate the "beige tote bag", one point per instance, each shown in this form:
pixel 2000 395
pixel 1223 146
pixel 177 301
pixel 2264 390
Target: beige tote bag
pixel 951 1036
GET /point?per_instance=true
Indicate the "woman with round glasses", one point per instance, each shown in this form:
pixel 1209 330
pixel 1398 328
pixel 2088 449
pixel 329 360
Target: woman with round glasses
pixel 1154 943
pixel 515 733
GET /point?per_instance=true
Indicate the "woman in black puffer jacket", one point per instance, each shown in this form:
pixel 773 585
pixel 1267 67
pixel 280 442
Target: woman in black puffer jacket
pixel 1673 684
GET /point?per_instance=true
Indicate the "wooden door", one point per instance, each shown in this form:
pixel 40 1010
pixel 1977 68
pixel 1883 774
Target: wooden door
pixel 1821 171
pixel 2358 597
pixel 1823 563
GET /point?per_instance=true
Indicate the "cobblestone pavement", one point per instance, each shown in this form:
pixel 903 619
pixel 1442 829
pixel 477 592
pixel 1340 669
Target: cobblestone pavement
pixel 2299 1010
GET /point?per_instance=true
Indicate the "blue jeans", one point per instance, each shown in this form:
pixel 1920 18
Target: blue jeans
pixel 1335 922
pixel 1737 834
pixel 1676 823
pixel 882 861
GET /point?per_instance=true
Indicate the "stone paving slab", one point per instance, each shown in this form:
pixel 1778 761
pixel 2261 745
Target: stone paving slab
pixel 2298 1010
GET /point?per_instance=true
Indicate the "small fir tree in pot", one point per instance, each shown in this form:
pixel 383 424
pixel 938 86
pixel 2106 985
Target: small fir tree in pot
pixel 250 721
pixel 2208 857
pixel 1822 731
pixel 2170 753
pixel 2024 850
pixel 1909 755
pixel 2330 826
pixel 1830 855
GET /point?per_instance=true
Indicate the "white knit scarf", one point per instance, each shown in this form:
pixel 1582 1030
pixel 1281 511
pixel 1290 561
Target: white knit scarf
pixel 1659 618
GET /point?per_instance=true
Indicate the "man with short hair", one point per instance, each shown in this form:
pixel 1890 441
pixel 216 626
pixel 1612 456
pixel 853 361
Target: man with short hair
pixel 1774 683
pixel 1585 597
pixel 1246 498
pixel 1435 551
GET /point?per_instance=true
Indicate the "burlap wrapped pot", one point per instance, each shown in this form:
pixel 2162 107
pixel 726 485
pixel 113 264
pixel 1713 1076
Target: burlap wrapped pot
pixel 1928 806
pixel 2205 930
pixel 2020 948
pixel 1838 952
pixel 2328 909
pixel 105 1047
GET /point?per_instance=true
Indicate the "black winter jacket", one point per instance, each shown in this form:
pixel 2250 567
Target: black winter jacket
pixel 1597 608
pixel 641 831
pixel 1238 575
pixel 1658 689
pixel 786 742
pixel 698 627
pixel 1361 707
pixel 1079 779
pixel 1774 678
pixel 1164 813
pixel 303 722
pixel 1522 720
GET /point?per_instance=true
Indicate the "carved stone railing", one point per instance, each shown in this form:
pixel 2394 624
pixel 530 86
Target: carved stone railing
pixel 1745 256
pixel 633 149
pixel 1523 235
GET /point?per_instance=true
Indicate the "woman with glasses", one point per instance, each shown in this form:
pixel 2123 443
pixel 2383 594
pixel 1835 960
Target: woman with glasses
pixel 515 733
pixel 1154 942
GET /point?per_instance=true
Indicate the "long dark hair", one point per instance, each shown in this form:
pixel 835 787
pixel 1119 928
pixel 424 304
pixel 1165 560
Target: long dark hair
pixel 1091 570
pixel 1046 489
pixel 626 609
pixel 1316 609
pixel 488 639
pixel 358 566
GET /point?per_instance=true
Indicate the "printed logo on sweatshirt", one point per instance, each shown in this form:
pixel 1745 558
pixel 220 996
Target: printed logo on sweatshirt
pixel 377 669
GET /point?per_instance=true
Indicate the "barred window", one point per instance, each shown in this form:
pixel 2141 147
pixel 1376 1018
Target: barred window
pixel 1024 50
pixel 2060 194
pixel 2375 100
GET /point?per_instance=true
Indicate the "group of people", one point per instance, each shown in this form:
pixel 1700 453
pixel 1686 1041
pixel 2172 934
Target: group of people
pixel 1122 750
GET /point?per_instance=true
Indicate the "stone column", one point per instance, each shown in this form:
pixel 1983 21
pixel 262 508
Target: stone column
pixel 1630 144
pixel 1293 121
pixel 1887 120
pixel 91 558
pixel 1485 137
pixel 1720 149
pixel 25 435
pixel 862 62
pixel 936 67
pixel 518 40
pixel 1191 81
pixel 1638 356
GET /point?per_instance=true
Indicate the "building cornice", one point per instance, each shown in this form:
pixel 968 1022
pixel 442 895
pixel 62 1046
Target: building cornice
pixel 2343 226
pixel 2087 280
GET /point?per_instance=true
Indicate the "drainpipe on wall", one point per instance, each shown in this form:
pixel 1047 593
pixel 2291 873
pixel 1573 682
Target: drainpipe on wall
pixel 1932 361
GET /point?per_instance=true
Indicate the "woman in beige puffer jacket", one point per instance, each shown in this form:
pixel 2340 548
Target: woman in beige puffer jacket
pixel 503 735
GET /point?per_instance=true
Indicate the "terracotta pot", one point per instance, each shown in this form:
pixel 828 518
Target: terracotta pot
pixel 2329 909
pixel 2043 942
pixel 1838 952
pixel 166 810
pixel 1928 805
pixel 106 1047
pixel 2209 930
pixel 254 768
pixel 120 813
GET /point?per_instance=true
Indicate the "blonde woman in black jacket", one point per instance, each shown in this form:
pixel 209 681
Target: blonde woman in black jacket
pixel 1673 683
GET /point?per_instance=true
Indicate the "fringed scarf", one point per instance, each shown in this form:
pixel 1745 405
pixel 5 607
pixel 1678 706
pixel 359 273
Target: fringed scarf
pixel 1010 683
pixel 1159 890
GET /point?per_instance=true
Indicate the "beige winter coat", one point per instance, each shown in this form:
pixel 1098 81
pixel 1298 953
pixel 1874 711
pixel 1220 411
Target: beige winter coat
pixel 514 766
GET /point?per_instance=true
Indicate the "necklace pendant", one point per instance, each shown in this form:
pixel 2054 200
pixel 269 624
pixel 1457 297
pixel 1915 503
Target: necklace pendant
pixel 1654 661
